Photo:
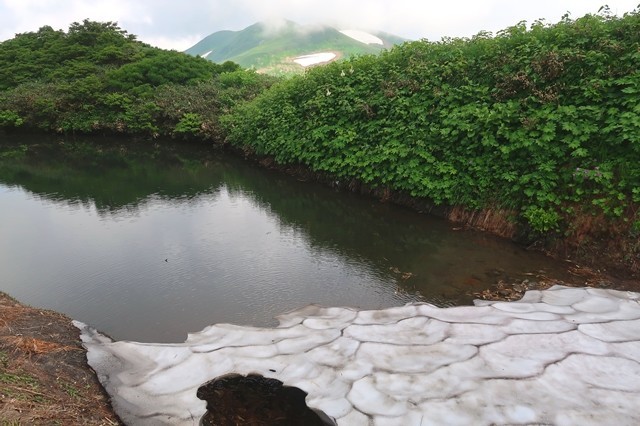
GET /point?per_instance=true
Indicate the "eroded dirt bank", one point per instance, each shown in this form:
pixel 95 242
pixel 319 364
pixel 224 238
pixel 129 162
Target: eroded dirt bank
pixel 44 376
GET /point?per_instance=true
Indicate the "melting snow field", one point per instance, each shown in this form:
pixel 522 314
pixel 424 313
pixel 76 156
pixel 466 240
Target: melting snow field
pixel 316 58
pixel 562 356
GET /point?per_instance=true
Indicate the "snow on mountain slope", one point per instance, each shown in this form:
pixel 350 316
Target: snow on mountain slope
pixel 289 48
pixel 316 58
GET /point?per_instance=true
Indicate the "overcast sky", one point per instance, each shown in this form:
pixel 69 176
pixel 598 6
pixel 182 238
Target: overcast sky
pixel 178 24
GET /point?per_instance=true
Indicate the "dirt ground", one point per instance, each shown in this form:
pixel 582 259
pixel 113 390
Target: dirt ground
pixel 45 378
pixel 582 276
pixel 44 375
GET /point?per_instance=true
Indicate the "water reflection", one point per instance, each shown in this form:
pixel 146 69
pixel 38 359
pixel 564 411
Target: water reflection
pixel 114 176
pixel 150 241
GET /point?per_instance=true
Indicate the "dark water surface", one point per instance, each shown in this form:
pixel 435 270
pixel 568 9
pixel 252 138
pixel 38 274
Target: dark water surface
pixel 150 241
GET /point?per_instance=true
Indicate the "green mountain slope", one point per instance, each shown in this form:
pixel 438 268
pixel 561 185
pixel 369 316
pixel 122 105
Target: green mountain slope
pixel 273 51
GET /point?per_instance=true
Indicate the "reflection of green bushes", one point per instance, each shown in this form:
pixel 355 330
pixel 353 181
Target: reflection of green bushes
pixel 9 119
pixel 482 122
pixel 112 175
pixel 14 153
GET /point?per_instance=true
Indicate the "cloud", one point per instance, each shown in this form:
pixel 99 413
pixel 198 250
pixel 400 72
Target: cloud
pixel 29 15
pixel 177 25
pixel 179 43
pixel 422 19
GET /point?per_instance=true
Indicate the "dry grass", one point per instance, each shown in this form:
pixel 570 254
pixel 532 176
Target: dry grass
pixel 30 345
pixel 496 221
pixel 8 314
pixel 604 243
pixel 44 377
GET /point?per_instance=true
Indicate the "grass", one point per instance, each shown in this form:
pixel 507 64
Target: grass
pixel 70 389
pixel 23 380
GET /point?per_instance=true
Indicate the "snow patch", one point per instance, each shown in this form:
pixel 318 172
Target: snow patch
pixel 563 355
pixel 204 55
pixel 316 58
pixel 363 37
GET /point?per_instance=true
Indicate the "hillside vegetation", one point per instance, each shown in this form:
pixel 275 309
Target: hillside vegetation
pixel 96 78
pixel 535 132
pixel 273 50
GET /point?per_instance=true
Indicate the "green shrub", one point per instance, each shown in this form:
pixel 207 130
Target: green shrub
pixel 189 124
pixel 510 121
pixel 541 220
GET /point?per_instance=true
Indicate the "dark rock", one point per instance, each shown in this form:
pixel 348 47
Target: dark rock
pixel 251 400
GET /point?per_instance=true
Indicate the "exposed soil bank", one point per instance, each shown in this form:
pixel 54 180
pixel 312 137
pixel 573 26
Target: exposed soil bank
pixel 596 244
pixel 44 375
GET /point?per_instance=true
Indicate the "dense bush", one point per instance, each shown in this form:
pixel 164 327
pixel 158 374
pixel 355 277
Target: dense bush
pixel 543 120
pixel 97 78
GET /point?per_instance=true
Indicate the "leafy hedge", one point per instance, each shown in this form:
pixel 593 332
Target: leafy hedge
pixel 543 120
pixel 540 120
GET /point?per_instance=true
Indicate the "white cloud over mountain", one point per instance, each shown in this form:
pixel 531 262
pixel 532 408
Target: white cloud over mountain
pixel 171 24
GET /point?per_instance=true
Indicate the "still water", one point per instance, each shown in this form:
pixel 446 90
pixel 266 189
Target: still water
pixel 151 241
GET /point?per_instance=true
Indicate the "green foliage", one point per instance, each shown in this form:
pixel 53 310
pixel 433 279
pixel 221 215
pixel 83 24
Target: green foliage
pixel 541 220
pixel 98 78
pixel 35 103
pixel 510 121
pixel 158 68
pixel 543 120
pixel 635 229
pixel 48 55
pixel 189 124
pixel 207 100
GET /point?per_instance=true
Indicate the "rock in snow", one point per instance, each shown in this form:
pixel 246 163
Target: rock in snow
pixel 561 356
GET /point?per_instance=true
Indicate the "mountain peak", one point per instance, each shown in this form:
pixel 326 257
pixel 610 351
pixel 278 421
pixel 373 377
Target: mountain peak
pixel 284 47
pixel 275 25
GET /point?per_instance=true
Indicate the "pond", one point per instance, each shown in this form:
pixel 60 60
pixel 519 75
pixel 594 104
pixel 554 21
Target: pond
pixel 149 241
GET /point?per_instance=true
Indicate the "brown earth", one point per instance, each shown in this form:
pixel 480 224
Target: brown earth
pixel 508 290
pixel 44 375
